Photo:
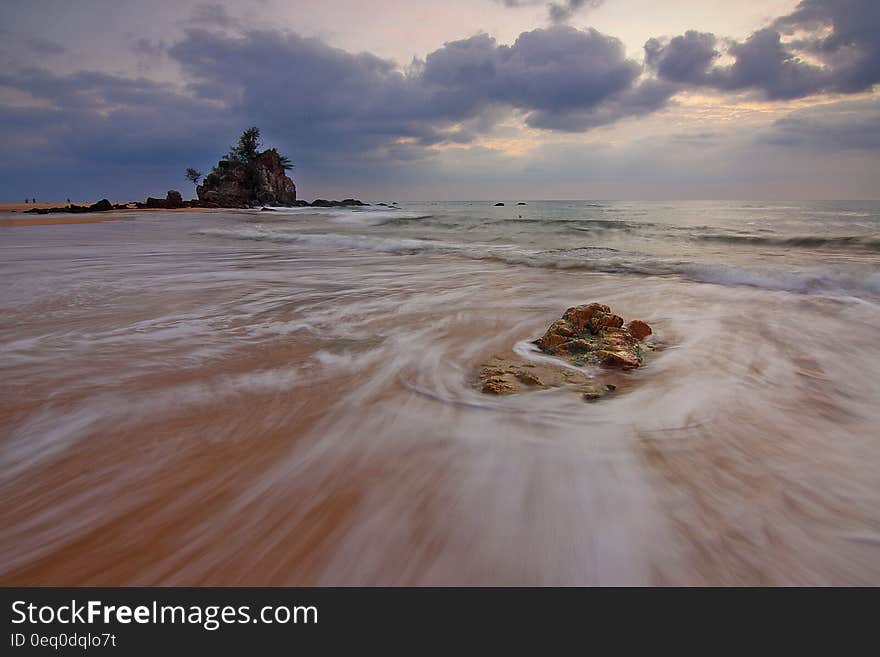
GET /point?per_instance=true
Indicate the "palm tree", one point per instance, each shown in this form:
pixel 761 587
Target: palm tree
pixel 193 175
pixel 248 146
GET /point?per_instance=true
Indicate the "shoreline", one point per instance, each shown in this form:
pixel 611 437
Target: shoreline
pixel 62 218
pixel 51 213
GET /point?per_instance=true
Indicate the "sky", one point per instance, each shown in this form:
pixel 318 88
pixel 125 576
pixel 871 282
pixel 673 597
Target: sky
pixel 462 99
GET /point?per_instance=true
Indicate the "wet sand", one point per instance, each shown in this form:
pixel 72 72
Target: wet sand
pixel 53 220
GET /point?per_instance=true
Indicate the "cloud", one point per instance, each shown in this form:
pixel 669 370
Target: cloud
pixel 327 107
pixel 321 97
pixel 761 62
pixel 558 11
pixel 314 98
pixel 851 49
pixel 840 36
pixel 45 46
pixel 843 126
pixel 211 15
pixel 149 49
pixel 551 74
pixel 561 12
pixel 684 58
pixel 100 119
pixel 339 113
pixel 638 100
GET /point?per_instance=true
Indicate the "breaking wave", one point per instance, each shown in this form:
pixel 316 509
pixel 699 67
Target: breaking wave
pixel 860 242
pixel 356 217
pixel 590 258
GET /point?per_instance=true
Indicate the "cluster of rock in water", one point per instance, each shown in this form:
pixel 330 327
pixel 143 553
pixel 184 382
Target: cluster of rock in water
pixel 172 200
pixel 585 335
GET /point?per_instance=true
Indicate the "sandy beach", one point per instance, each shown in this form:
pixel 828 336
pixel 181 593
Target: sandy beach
pixel 10 209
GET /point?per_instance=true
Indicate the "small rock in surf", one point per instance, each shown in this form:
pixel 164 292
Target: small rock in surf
pixel 592 335
pixel 585 335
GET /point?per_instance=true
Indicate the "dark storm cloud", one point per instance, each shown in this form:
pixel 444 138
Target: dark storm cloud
pixel 560 77
pixel 106 119
pixel 647 97
pixel 313 96
pixel 325 106
pixel 762 62
pixel 684 58
pixel 552 74
pixel 851 49
pixel 841 34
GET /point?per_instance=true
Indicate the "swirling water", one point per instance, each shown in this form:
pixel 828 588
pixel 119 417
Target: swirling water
pixel 287 397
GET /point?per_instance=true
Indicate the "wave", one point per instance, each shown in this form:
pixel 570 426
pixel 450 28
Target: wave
pixel 860 242
pixel 377 217
pixel 595 259
pixel 823 282
pixel 354 216
pixel 334 240
pixel 577 224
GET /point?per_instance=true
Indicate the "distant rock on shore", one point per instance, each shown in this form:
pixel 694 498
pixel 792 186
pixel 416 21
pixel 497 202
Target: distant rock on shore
pixel 172 200
pixel 101 206
pixel 322 203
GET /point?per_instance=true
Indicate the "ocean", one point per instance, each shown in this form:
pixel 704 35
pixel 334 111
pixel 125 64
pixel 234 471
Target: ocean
pixel 288 397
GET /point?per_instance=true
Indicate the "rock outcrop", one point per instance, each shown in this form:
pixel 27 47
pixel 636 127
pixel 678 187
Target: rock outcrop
pixel 172 200
pixel 592 335
pixel 101 206
pixel 262 181
pixel 344 203
pixel 507 375
pixel 585 335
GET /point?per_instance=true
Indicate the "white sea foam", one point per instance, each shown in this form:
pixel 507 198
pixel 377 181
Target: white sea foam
pixel 354 216
pixel 819 282
pixel 816 281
